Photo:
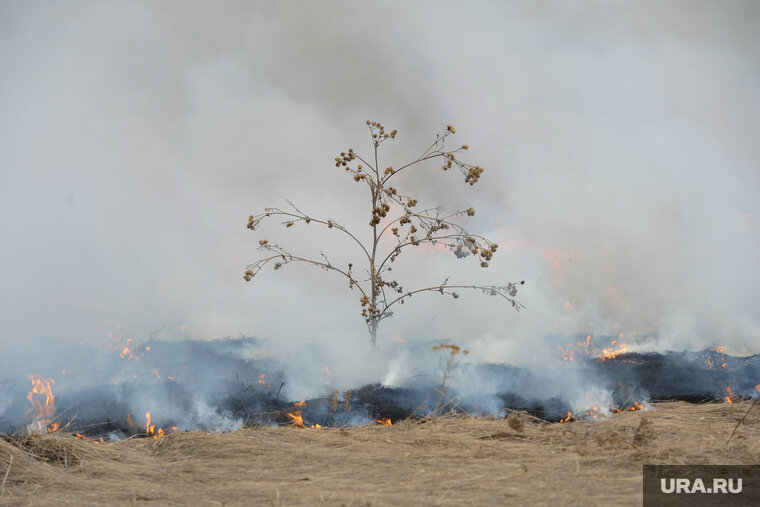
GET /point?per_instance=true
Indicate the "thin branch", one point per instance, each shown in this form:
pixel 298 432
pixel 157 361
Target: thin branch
pixel 287 257
pixel 504 291
pixel 302 217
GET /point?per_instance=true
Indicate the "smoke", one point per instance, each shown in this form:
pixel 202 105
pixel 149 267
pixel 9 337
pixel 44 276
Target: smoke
pixel 618 141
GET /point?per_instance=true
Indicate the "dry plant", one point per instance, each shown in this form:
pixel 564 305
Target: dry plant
pixel 451 361
pixel 392 213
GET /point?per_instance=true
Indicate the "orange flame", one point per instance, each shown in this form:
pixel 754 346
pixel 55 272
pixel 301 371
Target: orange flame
pixel 730 397
pixel 149 428
pixel 298 421
pixel 43 412
pixel 300 403
pixel 126 352
pixel 595 412
pixel 80 436
pixel 587 349
pixel 151 431
pixel 385 421
pixel 720 351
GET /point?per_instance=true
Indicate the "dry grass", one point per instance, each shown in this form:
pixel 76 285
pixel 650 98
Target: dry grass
pixel 447 460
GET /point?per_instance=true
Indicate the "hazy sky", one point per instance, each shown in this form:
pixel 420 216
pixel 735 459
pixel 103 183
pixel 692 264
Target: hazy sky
pixel 619 141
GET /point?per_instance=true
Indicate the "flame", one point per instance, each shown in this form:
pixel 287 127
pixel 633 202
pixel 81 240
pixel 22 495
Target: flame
pixel 149 428
pixel 151 431
pixel 596 412
pixel 42 412
pixel 398 339
pixel 262 377
pixel 155 370
pixel 300 403
pixel 147 347
pixel 129 421
pixel 586 347
pixel 729 399
pixel 720 351
pixel 80 436
pixel 385 421
pixel 298 421
pixel 126 352
pixel 613 352
pixel 567 354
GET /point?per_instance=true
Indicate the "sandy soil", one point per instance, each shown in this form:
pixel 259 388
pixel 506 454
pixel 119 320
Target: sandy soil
pixel 441 461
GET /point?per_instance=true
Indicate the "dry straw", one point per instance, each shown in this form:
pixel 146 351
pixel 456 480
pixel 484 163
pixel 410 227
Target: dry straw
pixel 451 460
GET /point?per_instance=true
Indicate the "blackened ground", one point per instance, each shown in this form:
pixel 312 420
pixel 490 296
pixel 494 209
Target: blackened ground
pixel 684 376
pixel 250 392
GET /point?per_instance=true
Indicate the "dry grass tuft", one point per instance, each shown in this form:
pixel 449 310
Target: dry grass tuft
pixel 453 460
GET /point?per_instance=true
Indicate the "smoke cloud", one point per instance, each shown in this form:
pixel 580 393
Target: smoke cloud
pixel 618 139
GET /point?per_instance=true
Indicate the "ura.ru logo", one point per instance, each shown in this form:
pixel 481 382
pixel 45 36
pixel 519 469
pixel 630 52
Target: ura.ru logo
pixel 719 485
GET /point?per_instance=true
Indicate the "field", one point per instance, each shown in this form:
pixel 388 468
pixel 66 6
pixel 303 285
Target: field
pixel 449 460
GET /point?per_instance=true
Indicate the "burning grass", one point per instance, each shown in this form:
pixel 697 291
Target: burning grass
pixel 446 460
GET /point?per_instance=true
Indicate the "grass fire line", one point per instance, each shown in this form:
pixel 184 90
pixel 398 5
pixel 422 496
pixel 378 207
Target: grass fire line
pixel 530 461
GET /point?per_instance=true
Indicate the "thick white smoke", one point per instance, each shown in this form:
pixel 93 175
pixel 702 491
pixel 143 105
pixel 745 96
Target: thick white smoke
pixel 618 139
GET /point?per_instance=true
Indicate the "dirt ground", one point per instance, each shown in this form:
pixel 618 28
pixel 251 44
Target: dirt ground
pixel 441 461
